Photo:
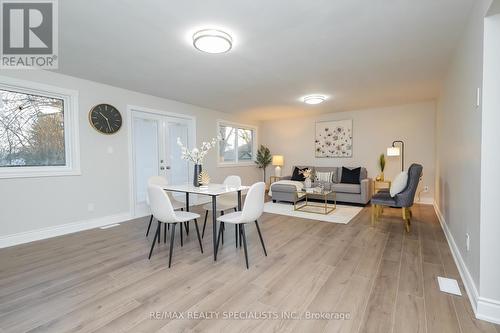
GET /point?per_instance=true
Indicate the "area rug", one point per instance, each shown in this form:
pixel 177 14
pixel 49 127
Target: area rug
pixel 343 214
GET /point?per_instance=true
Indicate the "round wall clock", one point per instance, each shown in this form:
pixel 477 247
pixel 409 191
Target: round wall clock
pixel 105 119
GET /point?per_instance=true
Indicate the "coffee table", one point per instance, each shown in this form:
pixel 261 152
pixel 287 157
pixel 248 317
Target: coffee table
pixel 322 207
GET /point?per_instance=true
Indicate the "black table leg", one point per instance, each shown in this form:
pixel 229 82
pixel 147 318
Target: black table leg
pixel 186 225
pixel 214 224
pixel 239 200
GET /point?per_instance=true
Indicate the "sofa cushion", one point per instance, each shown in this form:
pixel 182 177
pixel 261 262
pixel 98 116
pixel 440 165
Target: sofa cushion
pixel 333 170
pixel 351 176
pixel 323 176
pixel 347 188
pixel 297 174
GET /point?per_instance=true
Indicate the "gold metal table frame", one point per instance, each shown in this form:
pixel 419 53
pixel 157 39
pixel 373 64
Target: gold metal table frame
pixel 306 204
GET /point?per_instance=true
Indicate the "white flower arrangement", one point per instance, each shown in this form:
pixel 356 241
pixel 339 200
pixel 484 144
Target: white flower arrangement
pixel 307 173
pixel 196 155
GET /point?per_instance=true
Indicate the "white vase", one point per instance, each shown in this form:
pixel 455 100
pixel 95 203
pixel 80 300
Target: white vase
pixel 307 183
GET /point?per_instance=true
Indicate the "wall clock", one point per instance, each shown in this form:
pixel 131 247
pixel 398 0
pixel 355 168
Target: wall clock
pixel 105 119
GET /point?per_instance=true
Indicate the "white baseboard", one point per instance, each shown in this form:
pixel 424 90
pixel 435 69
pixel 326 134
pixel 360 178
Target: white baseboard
pixel 488 309
pixel 425 201
pixel 484 308
pixel 63 229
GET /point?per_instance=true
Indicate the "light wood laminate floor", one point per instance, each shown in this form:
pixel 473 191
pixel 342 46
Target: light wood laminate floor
pixel 101 280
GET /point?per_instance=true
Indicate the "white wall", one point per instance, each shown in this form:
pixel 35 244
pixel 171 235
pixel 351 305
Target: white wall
pixel 490 165
pixel 373 131
pixel 458 149
pixel 29 204
pixel 467 159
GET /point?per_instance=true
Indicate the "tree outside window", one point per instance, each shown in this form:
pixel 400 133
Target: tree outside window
pixel 31 130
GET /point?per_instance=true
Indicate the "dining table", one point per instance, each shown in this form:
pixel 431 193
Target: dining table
pixel 211 190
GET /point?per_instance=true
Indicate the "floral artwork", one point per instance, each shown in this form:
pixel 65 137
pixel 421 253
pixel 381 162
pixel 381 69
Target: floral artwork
pixel 333 139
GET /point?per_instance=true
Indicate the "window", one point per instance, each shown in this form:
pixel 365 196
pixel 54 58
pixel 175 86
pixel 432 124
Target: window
pixel 237 145
pixel 37 130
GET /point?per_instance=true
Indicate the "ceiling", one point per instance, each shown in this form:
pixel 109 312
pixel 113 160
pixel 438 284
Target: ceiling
pixel 362 53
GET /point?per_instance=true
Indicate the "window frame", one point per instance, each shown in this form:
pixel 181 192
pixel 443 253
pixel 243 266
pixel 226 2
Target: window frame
pixel 71 137
pixel 237 163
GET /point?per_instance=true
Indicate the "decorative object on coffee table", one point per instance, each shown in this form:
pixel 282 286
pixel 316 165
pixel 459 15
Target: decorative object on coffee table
pixel 333 138
pixel 307 173
pixel 278 162
pixel 395 151
pixel 263 159
pixel 196 156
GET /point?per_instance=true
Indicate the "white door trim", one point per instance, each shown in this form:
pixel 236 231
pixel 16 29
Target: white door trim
pixel 130 110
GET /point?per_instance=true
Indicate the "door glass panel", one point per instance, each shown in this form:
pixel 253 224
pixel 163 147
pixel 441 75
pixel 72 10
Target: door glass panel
pixel 146 155
pixel 179 168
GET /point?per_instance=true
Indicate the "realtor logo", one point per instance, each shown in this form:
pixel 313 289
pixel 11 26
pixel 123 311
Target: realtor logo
pixel 29 34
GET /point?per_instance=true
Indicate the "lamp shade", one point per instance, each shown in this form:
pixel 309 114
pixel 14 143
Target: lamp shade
pixel 278 160
pixel 393 151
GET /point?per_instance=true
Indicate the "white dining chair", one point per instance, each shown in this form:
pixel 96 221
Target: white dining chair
pixel 224 202
pixel 161 181
pixel 251 212
pixel 164 212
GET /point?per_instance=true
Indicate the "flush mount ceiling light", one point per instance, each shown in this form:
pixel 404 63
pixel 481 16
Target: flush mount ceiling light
pixel 314 99
pixel 212 41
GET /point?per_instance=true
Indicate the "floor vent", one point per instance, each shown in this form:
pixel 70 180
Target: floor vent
pixel 449 286
pixel 110 226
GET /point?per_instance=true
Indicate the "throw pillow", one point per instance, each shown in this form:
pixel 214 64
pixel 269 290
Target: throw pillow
pixel 297 174
pixel 399 183
pixel 350 176
pixel 335 175
pixel 323 176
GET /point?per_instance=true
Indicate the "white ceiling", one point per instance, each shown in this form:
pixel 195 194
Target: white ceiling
pixel 363 53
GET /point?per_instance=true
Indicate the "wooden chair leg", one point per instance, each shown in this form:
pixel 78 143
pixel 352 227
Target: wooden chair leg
pixel 406 218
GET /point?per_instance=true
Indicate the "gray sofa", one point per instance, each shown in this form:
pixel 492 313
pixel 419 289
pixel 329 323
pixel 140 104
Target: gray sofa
pixel 351 193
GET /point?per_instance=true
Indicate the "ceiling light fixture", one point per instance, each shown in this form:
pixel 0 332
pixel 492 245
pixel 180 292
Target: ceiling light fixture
pixel 212 41
pixel 314 99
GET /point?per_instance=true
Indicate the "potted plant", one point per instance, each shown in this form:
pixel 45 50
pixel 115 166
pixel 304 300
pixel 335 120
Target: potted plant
pixel 263 159
pixel 196 156
pixel 381 164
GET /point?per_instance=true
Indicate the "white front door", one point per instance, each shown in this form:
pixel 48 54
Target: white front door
pixel 155 152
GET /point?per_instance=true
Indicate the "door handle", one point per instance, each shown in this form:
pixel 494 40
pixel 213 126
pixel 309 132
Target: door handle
pixel 168 167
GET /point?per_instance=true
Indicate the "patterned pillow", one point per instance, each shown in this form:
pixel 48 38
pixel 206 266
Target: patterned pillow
pixel 323 176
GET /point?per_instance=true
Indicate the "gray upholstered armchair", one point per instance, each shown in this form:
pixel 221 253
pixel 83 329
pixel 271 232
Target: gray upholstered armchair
pixel 403 200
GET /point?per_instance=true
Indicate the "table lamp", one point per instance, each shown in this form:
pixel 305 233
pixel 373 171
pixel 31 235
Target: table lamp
pixel 278 162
